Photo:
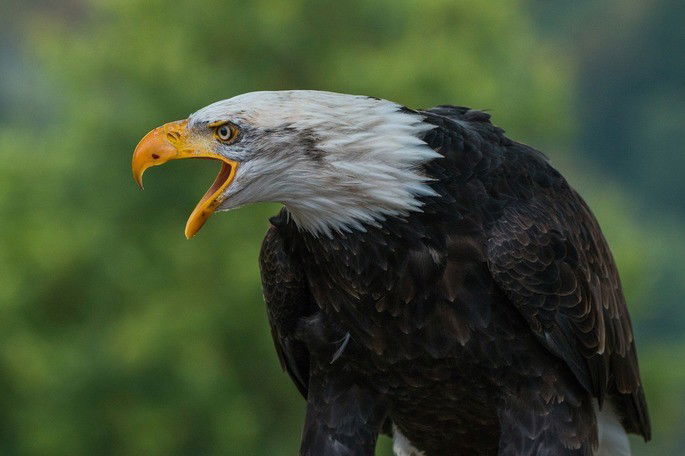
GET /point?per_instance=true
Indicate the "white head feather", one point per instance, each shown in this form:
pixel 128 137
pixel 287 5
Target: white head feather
pixel 336 161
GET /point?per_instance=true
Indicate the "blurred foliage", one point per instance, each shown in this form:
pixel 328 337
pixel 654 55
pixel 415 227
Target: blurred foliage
pixel 118 336
pixel 631 89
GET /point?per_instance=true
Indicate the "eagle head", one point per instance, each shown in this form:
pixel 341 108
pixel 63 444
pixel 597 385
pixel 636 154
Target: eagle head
pixel 337 162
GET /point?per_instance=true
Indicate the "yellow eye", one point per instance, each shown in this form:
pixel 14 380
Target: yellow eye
pixel 225 132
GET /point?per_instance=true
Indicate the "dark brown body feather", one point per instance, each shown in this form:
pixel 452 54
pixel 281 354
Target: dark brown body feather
pixel 484 325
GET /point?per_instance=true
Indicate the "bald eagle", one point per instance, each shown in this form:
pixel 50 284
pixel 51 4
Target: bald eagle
pixel 427 277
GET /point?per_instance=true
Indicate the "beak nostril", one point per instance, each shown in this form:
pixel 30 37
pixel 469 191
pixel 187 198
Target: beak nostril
pixel 155 156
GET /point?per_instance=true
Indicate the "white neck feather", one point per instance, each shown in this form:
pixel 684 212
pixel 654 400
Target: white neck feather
pixel 371 167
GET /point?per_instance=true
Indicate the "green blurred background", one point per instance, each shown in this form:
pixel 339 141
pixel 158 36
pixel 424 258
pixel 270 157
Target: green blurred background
pixel 118 336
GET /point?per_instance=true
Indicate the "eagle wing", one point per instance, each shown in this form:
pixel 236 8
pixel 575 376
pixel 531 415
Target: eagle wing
pixel 342 417
pixel 287 300
pixel 547 253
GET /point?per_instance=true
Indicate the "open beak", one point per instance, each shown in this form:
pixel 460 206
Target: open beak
pixel 171 142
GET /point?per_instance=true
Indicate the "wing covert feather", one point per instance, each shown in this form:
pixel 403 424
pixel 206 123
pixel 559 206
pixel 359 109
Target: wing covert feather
pixel 287 300
pixel 549 256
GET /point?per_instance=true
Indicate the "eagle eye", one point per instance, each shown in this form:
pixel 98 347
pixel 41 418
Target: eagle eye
pixel 225 132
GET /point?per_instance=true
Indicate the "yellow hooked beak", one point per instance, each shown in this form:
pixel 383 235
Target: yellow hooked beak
pixel 171 142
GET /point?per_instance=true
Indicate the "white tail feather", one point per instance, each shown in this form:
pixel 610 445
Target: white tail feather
pixel 613 440
pixel 401 446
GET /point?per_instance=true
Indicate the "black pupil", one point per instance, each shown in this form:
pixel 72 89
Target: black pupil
pixel 223 132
